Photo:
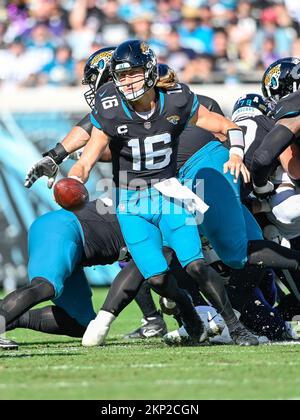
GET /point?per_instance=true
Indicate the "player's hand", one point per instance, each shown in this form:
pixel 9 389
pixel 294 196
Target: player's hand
pixel 44 167
pixel 265 191
pixel 236 167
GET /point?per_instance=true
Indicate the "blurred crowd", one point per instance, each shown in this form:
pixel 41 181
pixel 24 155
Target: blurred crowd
pixel 205 41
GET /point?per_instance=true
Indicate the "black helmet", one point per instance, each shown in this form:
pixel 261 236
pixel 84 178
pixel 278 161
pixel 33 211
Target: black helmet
pixel 281 78
pixel 96 72
pixel 163 70
pixel 250 105
pixel 132 54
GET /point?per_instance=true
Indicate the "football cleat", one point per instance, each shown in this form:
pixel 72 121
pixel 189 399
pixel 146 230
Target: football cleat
pixel 243 337
pixel 6 344
pixel 289 334
pixel 214 328
pixel 151 327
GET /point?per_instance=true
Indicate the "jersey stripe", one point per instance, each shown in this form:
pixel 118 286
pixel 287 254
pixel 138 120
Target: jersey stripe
pixel 126 110
pixel 95 122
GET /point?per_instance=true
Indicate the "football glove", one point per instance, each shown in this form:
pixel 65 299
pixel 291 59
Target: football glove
pixel 44 167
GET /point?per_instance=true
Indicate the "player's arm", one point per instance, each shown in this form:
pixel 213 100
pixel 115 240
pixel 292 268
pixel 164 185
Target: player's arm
pixel 48 165
pixel 78 136
pixel 216 123
pixel 273 146
pixel 91 154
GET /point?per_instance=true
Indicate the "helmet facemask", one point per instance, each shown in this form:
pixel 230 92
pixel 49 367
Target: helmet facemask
pixel 96 73
pixel 147 79
pixel 129 56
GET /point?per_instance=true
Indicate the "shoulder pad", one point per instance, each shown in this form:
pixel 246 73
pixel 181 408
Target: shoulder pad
pixel 288 106
pixel 175 89
pixel 107 101
pixel 181 95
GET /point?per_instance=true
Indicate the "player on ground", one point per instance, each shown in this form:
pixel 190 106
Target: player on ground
pixel 87 237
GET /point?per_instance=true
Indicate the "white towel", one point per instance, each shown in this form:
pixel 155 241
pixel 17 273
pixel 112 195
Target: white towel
pixel 172 188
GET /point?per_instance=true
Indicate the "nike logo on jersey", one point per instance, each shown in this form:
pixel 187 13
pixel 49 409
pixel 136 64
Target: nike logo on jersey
pixel 103 93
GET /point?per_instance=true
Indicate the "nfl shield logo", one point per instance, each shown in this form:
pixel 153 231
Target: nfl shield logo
pixel 147 125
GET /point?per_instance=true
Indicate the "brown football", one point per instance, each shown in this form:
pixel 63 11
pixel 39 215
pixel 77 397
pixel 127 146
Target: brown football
pixel 70 194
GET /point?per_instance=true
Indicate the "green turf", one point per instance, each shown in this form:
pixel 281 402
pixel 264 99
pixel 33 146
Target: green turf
pixel 49 367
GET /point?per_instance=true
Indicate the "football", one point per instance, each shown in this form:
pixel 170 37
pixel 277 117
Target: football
pixel 70 194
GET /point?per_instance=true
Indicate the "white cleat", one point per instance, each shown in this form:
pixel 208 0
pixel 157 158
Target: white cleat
pixel 215 329
pixel 176 337
pixel 98 330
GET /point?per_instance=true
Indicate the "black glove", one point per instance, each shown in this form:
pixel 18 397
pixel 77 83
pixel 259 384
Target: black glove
pixel 45 166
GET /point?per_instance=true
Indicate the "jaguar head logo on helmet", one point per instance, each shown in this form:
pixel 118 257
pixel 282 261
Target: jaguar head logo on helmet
pixel 96 72
pixel 281 78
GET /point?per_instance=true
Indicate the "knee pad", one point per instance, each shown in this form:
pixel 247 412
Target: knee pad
pixel 158 281
pixel 42 287
pixel 196 267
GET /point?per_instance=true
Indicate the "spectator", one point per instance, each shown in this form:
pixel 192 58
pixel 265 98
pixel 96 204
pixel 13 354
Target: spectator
pixel 178 57
pixel 141 28
pixel 199 70
pixel 130 9
pixel 220 45
pixel 285 33
pixel 296 48
pixel 15 64
pixel 61 70
pixel 113 27
pixel 40 45
pixel 268 53
pixel 193 34
pixel 235 39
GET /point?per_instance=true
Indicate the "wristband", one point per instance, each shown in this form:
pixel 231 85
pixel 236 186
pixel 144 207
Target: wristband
pixel 58 153
pixel 236 138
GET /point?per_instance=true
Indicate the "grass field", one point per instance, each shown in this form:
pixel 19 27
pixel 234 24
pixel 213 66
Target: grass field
pixel 51 367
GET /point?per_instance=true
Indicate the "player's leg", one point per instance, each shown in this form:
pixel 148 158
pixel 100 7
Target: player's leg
pixel 55 247
pixel 183 236
pixel 256 308
pixel 153 324
pixel 50 320
pixel 71 314
pixel 230 228
pixel 21 300
pixel 145 245
pixel 149 247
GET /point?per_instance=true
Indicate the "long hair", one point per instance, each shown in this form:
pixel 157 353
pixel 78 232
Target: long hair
pixel 167 77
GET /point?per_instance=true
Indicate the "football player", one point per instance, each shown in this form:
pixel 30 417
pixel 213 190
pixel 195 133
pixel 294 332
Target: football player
pixel 141 125
pixel 280 84
pixel 55 268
